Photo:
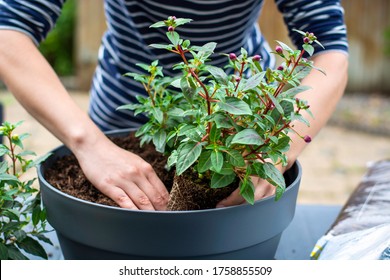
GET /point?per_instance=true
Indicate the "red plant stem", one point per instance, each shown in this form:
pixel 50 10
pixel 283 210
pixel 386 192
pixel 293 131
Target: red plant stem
pixel 206 93
pixel 282 84
pixel 241 72
pixel 12 154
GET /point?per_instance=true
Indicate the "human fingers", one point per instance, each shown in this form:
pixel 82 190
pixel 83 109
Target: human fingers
pixel 235 198
pixel 263 188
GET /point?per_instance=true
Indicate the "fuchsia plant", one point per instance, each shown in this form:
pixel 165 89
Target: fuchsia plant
pixel 225 127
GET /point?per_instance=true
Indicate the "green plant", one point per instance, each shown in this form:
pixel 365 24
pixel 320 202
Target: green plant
pixel 58 47
pixel 22 218
pixel 224 126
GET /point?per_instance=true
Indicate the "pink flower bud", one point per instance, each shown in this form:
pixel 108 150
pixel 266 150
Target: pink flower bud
pixel 306 40
pixel 232 56
pixel 171 28
pixel 307 139
pixel 278 49
pixel 280 68
pixel 173 17
pixel 256 57
pixel 238 79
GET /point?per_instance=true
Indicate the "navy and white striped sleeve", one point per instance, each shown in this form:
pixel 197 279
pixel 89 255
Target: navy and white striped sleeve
pixel 324 18
pixel 35 18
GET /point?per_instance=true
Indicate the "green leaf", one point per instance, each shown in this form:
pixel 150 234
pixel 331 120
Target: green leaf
pixel 187 154
pixel 247 190
pixel 257 169
pixel 279 192
pixel 15 254
pixel 215 134
pixel 161 46
pixel 204 163
pixel 33 247
pixel 216 160
pixel 3 252
pixel 295 90
pixel 181 21
pixel 235 158
pixel 222 120
pixel 227 169
pixel 283 144
pixel 8 177
pixel 159 140
pixel 158 24
pixel 218 74
pixel 158 115
pixel 274 176
pixel 285 47
pixel 20 235
pixel 235 106
pixel 220 181
pixel 173 37
pixel 308 48
pixel 253 81
pixel 247 136
pixel 188 88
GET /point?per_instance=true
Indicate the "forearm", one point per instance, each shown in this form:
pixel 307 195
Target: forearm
pixel 36 86
pixel 326 91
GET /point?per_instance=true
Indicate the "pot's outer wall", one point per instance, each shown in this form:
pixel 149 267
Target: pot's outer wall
pixel 173 235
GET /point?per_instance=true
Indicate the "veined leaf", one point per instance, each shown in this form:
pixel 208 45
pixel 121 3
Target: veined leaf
pixel 274 176
pixel 159 140
pixel 218 74
pixel 217 160
pixel 235 106
pixel 187 154
pixel 204 163
pixel 247 190
pixel 235 158
pixel 33 247
pixel 220 181
pixel 253 81
pixel 247 136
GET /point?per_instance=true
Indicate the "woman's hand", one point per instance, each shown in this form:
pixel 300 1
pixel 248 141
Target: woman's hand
pixel 124 177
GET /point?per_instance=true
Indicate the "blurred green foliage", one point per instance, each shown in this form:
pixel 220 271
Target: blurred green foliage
pixel 59 44
pixel 387 41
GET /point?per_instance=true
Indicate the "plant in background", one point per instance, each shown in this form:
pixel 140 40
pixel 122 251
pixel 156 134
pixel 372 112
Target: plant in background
pixel 225 127
pixel 22 219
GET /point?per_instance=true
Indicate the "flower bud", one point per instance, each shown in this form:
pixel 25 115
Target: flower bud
pixel 256 57
pixel 280 68
pixel 238 79
pixel 279 49
pixel 173 17
pixel 307 139
pixel 306 40
pixel 232 56
pixel 171 28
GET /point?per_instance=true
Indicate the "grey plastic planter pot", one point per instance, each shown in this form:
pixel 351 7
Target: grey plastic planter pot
pixel 93 231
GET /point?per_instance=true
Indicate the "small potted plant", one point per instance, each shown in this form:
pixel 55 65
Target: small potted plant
pixel 218 128
pixel 22 220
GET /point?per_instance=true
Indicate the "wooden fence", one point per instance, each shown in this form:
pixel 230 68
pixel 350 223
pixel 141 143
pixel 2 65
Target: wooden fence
pixel 367 22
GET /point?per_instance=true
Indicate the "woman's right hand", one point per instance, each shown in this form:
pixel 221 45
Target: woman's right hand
pixel 123 176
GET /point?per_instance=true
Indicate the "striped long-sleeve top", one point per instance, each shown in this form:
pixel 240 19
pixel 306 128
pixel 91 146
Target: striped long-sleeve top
pixel 232 24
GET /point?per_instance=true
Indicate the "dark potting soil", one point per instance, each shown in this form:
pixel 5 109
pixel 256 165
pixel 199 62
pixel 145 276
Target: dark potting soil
pixel 66 175
pixel 189 193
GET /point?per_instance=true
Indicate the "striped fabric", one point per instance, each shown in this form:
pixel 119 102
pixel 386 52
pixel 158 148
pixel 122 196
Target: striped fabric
pixel 230 23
